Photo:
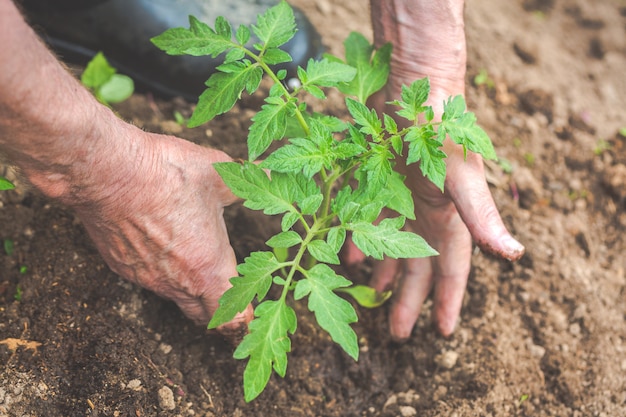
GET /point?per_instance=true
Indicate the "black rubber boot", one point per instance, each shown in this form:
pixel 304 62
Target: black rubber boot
pixel 121 29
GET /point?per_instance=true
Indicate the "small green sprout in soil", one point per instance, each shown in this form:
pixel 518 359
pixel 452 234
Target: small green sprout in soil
pixel 18 294
pixel 330 176
pixel 9 246
pixel 483 78
pixel 106 84
pixel 6 184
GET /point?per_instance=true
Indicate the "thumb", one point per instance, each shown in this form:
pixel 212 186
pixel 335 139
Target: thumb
pixel 468 189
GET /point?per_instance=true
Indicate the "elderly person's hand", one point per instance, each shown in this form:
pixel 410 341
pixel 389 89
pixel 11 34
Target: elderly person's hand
pixel 428 40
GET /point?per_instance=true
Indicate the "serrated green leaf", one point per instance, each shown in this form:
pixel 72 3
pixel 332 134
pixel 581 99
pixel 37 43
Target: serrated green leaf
pixel 423 147
pixel 288 220
pixel 324 73
pixel 273 56
pixel 333 313
pixel 276 26
pixel 366 296
pixel 366 118
pixel 266 345
pixel 223 28
pixel 242 35
pixel 378 168
pixel 234 54
pixel 250 182
pixel 284 240
pixel 323 252
pixel 413 98
pixel 301 155
pixel 6 184
pixel 347 211
pixel 198 40
pixel 390 124
pixel 387 240
pixel 336 238
pixel 311 204
pixel 462 128
pixel 97 72
pixel 255 280
pixel 315 91
pixel 268 125
pixel 397 196
pixel 223 91
pixel 372 71
pixel 397 144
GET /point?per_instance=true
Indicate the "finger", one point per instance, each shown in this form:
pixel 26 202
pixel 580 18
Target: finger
pixel 450 272
pixel 384 274
pixel 475 204
pixel 414 287
pixel 352 255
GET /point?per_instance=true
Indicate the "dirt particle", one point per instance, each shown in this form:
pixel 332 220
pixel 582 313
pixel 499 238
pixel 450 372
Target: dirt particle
pixel 407 411
pixel 134 384
pixel 447 359
pixel 166 398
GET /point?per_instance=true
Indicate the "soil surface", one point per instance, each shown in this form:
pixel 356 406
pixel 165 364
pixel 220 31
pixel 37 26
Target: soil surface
pixel 545 336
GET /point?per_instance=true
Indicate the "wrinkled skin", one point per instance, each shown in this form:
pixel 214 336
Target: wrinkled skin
pixel 429 40
pixel 152 204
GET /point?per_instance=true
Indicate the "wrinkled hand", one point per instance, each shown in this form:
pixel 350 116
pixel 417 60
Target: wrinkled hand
pixel 162 227
pixel 448 221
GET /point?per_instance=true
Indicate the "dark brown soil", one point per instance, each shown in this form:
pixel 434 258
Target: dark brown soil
pixel 545 336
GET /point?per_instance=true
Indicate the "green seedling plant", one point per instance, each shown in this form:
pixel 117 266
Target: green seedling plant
pixel 329 177
pixel 107 85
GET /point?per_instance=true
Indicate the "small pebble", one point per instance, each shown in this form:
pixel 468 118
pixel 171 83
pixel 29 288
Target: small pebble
pixel 447 359
pixel 407 411
pixel 134 384
pixel 166 398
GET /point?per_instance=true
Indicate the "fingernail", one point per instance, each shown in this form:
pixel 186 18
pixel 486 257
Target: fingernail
pixel 513 250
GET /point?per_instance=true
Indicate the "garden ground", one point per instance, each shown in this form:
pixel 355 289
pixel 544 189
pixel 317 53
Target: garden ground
pixel 545 336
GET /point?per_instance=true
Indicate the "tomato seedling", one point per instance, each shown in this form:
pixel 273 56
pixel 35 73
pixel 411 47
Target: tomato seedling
pixel 329 177
pixel 106 84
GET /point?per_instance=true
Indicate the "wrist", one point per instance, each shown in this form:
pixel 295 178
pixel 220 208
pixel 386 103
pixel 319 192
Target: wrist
pixel 428 40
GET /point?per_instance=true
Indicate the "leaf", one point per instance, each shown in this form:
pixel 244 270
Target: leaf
pixel 311 204
pixel 462 128
pixel 325 73
pixel 250 182
pixel 268 125
pixel 97 72
pixel 336 238
pixel 413 99
pixel 424 147
pixel 372 71
pixel 323 252
pixel 256 280
pixel 378 168
pixel 366 296
pixel 198 40
pixel 223 90
pixel 284 240
pixel 242 35
pixel 333 313
pixel 368 119
pixel 117 89
pixel 387 239
pixel 397 196
pixel 276 26
pixel 302 155
pixel 273 56
pixel 266 345
pixel 6 184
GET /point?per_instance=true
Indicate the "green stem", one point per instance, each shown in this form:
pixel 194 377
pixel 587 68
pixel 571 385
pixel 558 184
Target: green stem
pixel 277 81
